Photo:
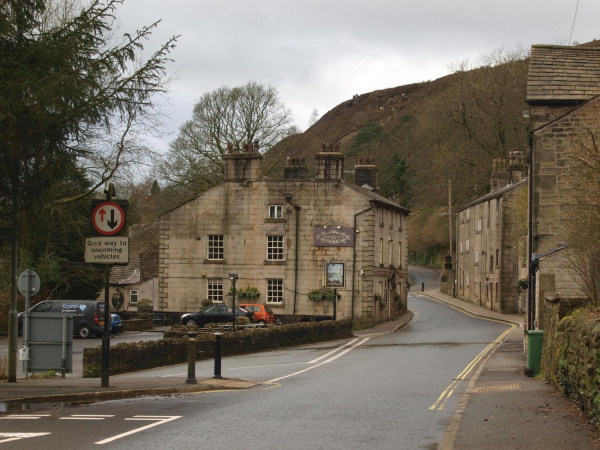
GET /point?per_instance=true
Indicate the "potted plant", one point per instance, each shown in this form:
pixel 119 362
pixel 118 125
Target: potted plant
pixel 144 304
pixel 382 301
pixel 398 300
pixel 315 295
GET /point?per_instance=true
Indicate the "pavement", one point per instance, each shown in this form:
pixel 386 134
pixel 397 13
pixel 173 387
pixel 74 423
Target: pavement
pixel 504 409
pixel 63 390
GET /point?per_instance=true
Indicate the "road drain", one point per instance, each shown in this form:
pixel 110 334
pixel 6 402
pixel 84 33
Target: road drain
pixel 487 389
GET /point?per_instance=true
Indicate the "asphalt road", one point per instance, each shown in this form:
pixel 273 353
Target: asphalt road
pixel 418 275
pixel 391 391
pixel 79 344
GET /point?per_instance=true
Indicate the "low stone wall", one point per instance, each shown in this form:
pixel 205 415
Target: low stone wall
pixel 130 356
pixel 137 325
pixel 571 352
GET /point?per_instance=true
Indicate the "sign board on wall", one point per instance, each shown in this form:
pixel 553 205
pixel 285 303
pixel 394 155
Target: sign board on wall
pixel 334 237
pixel 107 250
pixel 334 274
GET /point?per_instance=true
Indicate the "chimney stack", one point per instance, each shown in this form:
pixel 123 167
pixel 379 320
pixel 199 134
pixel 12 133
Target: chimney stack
pixel 499 177
pixel 245 165
pixel 366 173
pixel 330 162
pixel 515 167
pixel 295 169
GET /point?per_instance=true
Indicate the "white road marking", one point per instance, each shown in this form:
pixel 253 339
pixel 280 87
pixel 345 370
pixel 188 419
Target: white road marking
pixel 159 421
pixel 92 415
pixel 333 351
pixel 333 358
pixel 24 417
pixel 17 436
pixel 81 418
pixel 267 365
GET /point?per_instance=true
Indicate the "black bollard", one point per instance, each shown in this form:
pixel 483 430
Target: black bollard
pixel 422 287
pixel 191 378
pixel 218 347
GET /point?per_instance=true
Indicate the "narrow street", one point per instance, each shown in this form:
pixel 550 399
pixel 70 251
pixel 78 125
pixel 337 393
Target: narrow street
pixel 390 391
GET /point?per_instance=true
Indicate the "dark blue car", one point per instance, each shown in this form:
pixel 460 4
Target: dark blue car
pixel 116 323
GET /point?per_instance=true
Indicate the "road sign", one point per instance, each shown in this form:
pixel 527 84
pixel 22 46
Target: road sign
pixel 108 218
pixel 107 250
pixel 34 283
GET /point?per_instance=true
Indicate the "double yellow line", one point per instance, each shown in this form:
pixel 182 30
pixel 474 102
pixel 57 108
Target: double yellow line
pixel 439 403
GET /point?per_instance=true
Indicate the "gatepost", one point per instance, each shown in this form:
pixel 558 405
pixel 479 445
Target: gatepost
pixel 109 247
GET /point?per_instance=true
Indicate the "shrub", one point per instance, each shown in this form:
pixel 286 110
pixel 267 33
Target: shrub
pixel 144 302
pixel 143 315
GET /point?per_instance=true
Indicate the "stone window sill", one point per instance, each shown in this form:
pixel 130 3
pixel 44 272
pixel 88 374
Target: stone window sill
pixel 276 305
pixel 273 220
pixel 215 261
pixel 381 224
pixel 280 262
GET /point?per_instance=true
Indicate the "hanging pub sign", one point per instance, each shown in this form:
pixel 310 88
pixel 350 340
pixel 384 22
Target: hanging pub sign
pixel 334 274
pixel 334 237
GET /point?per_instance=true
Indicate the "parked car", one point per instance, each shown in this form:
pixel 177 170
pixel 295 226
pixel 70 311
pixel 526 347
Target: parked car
pixel 116 323
pixel 263 314
pixel 215 314
pixel 88 315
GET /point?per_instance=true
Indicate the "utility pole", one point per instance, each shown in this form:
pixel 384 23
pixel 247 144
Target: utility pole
pixel 450 214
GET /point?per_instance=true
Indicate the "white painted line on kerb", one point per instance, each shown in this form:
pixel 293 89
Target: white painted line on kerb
pixel 332 351
pixel 159 421
pixel 333 358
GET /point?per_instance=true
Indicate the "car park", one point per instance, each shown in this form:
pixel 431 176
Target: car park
pixel 263 314
pixel 116 323
pixel 88 315
pixel 217 313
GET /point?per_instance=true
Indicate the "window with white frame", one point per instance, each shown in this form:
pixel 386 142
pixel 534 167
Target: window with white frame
pixel 467 278
pixel 497 210
pixel 476 256
pixel 215 246
pixel 400 220
pixel 275 248
pixel 380 250
pixel 479 224
pixel 461 246
pixel 215 290
pixel 467 246
pixel 133 296
pixel 274 291
pixel 381 215
pixel 275 211
pixel 468 215
pixel 391 250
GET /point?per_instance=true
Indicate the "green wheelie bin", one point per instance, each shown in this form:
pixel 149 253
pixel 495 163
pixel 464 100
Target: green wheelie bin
pixel 535 339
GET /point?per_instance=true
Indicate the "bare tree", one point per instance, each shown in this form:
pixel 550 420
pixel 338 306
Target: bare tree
pixel 314 117
pixel 224 116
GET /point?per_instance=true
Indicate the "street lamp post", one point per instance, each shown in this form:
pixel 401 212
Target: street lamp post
pixel 233 277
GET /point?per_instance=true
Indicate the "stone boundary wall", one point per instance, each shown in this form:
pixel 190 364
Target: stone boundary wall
pixel 571 352
pixel 133 356
pixel 137 325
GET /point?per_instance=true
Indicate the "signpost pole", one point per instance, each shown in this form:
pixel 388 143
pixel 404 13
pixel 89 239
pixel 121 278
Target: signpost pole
pixel 106 335
pixel 26 321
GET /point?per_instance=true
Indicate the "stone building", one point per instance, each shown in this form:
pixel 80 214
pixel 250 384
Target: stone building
pixel 281 235
pixel 562 93
pixel 491 255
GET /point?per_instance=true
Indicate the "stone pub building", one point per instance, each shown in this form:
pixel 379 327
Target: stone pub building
pixel 289 238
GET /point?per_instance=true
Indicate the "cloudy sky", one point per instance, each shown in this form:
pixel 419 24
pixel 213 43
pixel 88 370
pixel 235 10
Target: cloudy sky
pixel 317 54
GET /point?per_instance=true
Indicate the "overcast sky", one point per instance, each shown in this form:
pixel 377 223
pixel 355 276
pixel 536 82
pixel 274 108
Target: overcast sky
pixel 317 54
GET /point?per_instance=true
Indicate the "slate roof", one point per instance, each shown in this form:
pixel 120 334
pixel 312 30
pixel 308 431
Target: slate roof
pixel 494 194
pixel 378 198
pixel 129 274
pixel 560 73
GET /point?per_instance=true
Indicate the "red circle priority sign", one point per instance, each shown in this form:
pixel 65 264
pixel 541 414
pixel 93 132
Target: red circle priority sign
pixel 108 218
